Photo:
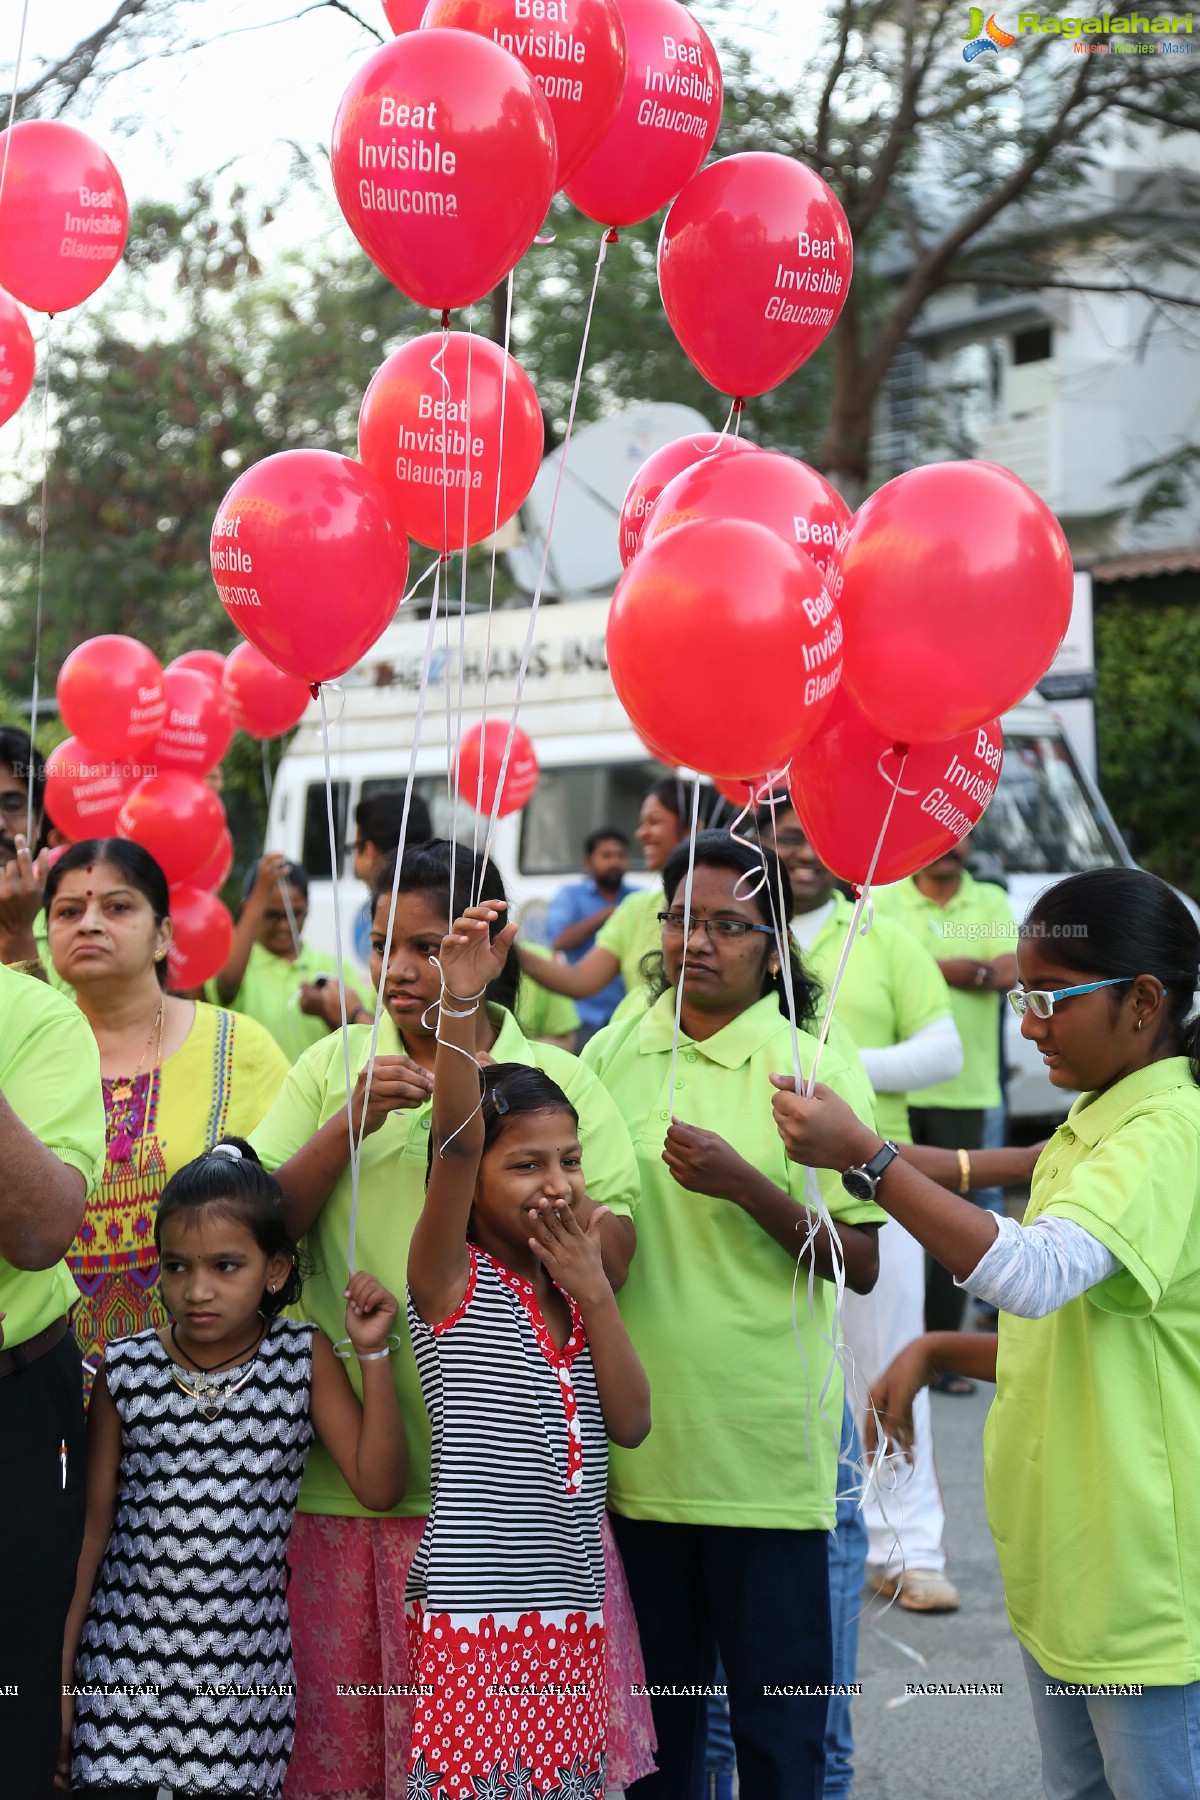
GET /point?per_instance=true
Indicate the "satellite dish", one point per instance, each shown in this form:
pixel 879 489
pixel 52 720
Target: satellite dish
pixel 603 458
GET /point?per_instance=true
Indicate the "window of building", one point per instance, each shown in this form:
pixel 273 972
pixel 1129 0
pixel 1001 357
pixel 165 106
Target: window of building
pixel 1032 346
pixel 569 803
pixel 315 854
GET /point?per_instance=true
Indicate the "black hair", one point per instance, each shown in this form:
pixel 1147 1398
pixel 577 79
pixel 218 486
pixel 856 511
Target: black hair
pixel 606 834
pixel 377 820
pixel 507 1090
pixel 1114 922
pixel 136 865
pixel 238 1188
pixel 295 874
pixel 675 793
pixel 425 869
pixel 773 899
pixel 27 763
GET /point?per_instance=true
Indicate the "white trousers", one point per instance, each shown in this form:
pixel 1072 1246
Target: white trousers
pixel 904 1520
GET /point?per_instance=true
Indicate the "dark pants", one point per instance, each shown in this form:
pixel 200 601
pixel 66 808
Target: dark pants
pixel 945 1128
pixel 760 1597
pixel 41 1534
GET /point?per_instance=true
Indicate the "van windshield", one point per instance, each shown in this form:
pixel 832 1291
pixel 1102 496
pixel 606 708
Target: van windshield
pixel 1041 820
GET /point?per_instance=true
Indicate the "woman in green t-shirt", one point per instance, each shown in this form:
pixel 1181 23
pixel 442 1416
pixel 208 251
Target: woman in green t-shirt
pixel 722 1514
pixel 1089 1449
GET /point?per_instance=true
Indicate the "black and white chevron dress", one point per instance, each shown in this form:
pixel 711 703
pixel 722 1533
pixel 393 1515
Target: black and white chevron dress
pixel 505 1595
pixel 190 1611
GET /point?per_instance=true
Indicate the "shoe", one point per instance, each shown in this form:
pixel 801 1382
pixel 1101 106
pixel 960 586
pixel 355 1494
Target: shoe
pixel 917 1590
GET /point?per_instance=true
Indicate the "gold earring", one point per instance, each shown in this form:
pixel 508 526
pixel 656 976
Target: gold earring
pixel 158 955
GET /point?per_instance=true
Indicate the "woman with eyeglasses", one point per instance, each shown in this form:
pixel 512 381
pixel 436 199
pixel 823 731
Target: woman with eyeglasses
pixel 1090 1444
pixel 722 1514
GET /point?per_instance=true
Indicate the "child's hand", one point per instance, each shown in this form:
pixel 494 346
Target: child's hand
pixel 470 957
pixel 370 1312
pixel 570 1255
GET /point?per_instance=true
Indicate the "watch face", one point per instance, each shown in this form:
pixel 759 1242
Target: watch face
pixel 858 1184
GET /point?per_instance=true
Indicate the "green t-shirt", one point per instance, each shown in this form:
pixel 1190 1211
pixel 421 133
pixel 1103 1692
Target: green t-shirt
pixel 978 922
pixel 1090 1445
pixel 741 1435
pixel 269 993
pixel 390 1197
pixel 50 1076
pixel 891 989
pixel 538 1012
pixel 631 933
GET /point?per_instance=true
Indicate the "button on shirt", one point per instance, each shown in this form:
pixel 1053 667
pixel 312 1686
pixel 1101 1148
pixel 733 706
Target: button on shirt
pixel 579 900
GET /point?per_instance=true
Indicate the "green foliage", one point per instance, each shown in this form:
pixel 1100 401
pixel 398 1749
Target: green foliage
pixel 1148 731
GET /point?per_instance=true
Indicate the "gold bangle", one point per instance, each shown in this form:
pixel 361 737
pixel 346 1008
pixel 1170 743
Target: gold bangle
pixel 964 1172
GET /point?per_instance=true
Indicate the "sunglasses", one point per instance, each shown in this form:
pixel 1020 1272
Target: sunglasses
pixel 1041 1002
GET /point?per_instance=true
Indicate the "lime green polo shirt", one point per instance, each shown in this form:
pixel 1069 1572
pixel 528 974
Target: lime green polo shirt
pixel 390 1197
pixel 269 993
pixel 978 922
pixel 50 1076
pixel 1090 1446
pixel 741 1435
pixel 538 1012
pixel 631 933
pixel 41 937
pixel 892 988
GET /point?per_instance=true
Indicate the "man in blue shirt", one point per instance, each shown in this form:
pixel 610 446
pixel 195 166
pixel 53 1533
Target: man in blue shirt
pixel 577 912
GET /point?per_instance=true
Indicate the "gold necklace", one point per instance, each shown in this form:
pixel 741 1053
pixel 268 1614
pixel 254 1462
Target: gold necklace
pixel 208 1394
pixel 121 1140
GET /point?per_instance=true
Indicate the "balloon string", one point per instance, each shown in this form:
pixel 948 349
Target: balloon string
pixel 527 651
pixel 437 363
pixel 687 932
pixel 422 578
pixel 288 908
pixel 35 700
pixel 418 726
pixel 462 614
pixel 767 795
pixel 12 101
pixel 269 790
pixel 341 979
pixel 477 877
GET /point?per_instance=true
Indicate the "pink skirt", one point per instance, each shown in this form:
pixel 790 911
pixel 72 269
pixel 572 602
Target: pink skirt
pixel 350 1648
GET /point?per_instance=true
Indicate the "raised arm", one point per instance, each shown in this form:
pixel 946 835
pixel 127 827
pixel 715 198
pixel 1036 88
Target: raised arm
pixel 579 981
pixel 438 1260
pixel 272 871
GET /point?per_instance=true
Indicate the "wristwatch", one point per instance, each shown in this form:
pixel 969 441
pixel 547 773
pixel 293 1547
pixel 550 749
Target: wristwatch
pixel 862 1181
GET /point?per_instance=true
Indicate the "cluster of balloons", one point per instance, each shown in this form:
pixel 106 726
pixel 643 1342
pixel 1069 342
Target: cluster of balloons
pixel 143 739
pixel 760 634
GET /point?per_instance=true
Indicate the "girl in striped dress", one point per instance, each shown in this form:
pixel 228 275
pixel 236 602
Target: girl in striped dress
pixel 525 1367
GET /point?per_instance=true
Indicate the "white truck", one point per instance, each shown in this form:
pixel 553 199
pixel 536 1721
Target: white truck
pixel 1047 819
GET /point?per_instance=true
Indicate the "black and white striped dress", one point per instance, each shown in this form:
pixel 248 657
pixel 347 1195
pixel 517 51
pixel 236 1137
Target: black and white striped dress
pixel 190 1606
pixel 506 1591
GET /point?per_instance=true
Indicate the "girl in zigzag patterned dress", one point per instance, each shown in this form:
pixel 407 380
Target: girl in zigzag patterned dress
pixel 177 1661
pixel 525 1365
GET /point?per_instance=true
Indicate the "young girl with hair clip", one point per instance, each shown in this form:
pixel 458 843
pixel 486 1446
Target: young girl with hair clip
pixel 177 1662
pixel 1089 1449
pixel 525 1366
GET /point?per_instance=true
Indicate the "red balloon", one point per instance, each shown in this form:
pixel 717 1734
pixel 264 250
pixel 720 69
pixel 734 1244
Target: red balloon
pixel 666 120
pixel 215 872
pixel 455 456
pixel 263 700
pixel 206 662
pixel 487 743
pixel 842 781
pixel 659 468
pixel 307 563
pixel 404 15
pixel 444 164
pixel 85 791
pixel 110 694
pixel 177 819
pixel 575 51
pixel 16 358
pixel 196 731
pixel 724 647
pixel 956 592
pixel 201 936
pixel 64 217
pixel 768 488
pixel 754 267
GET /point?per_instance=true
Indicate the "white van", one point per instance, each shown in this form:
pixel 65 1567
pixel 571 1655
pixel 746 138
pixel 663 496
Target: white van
pixel 1047 819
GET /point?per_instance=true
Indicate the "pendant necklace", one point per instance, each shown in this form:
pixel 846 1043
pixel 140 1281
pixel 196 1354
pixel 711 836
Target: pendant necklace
pixel 121 1095
pixel 208 1394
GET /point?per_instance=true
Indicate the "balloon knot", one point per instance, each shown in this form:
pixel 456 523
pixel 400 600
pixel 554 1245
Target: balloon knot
pixel 314 688
pixel 445 318
pixel 900 749
pixel 610 236
pixel 444 557
pixel 739 405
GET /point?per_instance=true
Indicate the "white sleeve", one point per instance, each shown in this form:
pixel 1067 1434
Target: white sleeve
pixel 1032 1270
pixel 930 1055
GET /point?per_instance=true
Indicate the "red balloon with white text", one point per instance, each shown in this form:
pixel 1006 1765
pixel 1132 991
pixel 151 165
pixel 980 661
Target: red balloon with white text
pixel 660 467
pixel 771 489
pixel 195 734
pixel 64 217
pixel 201 936
pixel 177 819
pixel 85 791
pixel 263 701
pixel 482 749
pixel 205 662
pixel 16 358
pixel 110 694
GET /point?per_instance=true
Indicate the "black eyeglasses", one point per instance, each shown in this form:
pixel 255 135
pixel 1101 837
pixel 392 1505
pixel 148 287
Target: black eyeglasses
pixel 728 929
